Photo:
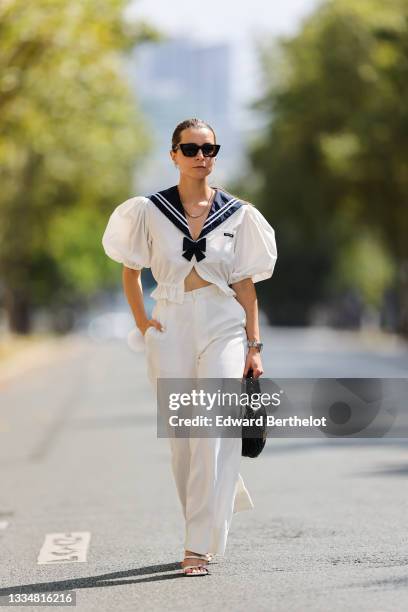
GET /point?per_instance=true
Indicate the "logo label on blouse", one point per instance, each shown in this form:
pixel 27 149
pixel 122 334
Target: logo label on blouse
pixel 228 234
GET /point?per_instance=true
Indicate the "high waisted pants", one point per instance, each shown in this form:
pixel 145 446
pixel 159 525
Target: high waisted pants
pixel 204 337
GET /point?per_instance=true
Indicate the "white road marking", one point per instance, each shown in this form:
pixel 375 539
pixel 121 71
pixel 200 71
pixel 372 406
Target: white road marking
pixel 3 524
pixel 66 547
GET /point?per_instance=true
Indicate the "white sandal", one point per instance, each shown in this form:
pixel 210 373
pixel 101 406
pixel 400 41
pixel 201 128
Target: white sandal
pixel 197 570
pixel 208 556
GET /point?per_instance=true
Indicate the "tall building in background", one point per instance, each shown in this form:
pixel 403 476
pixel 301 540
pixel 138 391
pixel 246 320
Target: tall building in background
pixel 178 79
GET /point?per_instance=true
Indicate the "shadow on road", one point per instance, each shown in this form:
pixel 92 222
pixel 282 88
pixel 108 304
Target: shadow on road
pixel 104 580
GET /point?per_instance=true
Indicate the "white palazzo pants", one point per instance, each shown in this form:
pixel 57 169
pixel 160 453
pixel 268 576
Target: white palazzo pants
pixel 204 337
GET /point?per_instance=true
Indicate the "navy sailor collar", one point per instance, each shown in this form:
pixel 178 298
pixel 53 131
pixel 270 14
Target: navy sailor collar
pixel 169 203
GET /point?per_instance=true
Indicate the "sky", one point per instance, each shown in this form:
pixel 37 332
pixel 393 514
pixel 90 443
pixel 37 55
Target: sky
pixel 240 23
pixel 224 19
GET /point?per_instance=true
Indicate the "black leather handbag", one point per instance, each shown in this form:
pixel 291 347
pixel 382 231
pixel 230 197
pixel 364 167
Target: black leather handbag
pixel 253 436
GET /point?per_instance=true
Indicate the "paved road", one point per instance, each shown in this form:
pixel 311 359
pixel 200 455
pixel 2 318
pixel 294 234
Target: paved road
pixel 79 453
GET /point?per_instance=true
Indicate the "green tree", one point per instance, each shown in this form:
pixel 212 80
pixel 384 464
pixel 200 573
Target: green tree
pixel 333 156
pixel 71 134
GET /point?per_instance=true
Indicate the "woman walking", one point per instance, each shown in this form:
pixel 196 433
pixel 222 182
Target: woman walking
pixel 206 249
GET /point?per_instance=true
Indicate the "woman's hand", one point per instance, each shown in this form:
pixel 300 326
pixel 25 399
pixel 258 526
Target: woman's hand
pixel 150 323
pixel 253 360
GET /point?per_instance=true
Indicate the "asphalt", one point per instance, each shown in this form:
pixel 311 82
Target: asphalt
pixel 79 453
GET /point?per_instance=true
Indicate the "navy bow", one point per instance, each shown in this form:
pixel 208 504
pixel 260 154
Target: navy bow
pixel 193 247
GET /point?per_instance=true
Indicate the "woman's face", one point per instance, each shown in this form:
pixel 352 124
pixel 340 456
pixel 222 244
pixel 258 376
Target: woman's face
pixel 197 166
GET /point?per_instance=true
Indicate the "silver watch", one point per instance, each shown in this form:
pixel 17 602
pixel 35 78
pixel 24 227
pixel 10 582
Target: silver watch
pixel 255 344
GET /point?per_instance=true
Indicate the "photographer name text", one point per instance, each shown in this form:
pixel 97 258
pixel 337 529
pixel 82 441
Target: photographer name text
pixel 229 421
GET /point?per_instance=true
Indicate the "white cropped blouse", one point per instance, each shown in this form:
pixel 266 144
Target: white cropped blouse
pixel 236 242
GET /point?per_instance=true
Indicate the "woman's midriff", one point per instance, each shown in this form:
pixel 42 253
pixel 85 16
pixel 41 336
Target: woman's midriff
pixel 194 281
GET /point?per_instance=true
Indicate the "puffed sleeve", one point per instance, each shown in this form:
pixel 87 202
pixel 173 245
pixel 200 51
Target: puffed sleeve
pixel 126 238
pixel 255 248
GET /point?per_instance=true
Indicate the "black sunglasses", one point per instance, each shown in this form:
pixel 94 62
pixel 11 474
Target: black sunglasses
pixel 190 149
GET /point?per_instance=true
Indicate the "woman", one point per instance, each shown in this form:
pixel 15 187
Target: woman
pixel 206 249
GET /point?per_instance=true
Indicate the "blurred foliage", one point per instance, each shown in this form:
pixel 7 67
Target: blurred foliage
pixel 365 266
pixel 71 133
pixel 332 158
